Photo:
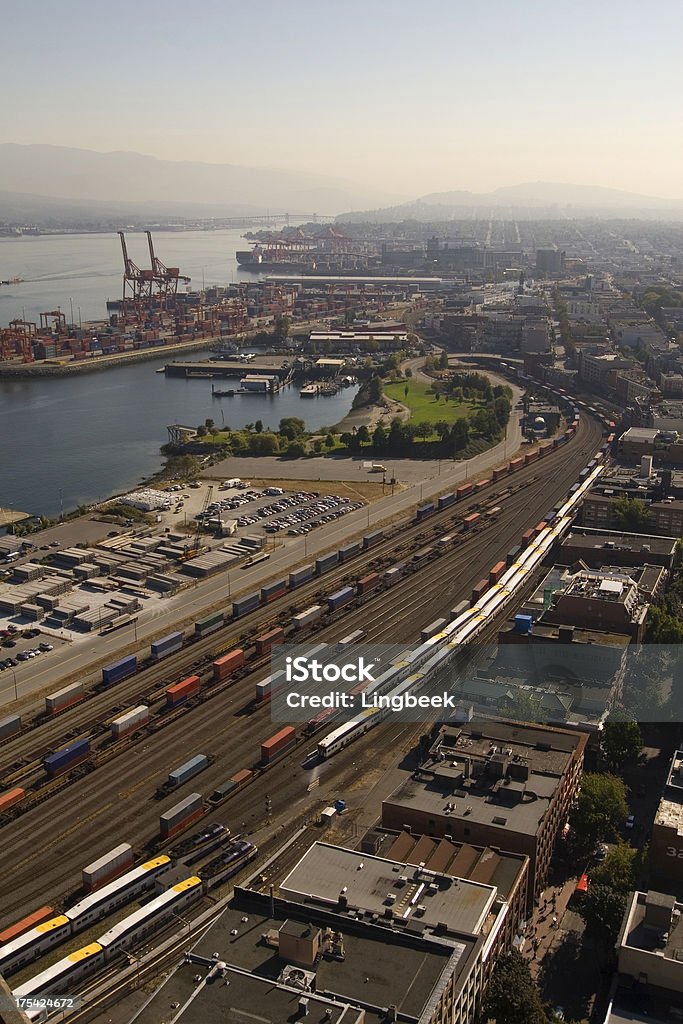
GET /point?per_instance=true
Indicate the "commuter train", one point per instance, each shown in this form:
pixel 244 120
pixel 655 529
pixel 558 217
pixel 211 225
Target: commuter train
pixel 419 665
pixel 82 963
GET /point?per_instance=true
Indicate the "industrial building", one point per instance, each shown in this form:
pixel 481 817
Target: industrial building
pixel 353 937
pixel 594 547
pixel 498 784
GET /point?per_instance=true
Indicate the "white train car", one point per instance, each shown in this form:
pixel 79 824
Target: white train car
pixel 32 944
pixel 114 895
pixel 151 916
pixel 64 975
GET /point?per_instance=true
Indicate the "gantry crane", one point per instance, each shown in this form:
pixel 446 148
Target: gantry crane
pixel 197 539
pixel 165 278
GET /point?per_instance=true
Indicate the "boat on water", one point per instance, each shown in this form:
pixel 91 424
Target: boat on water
pixel 13 280
pixel 222 394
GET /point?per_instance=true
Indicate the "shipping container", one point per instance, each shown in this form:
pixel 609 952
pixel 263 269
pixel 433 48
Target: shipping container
pixel 498 474
pixel 424 511
pixel 66 757
pixel 352 638
pixel 107 867
pixel 179 692
pixel 445 542
pixel 130 721
pixel 516 464
pixel 369 582
pixel 349 551
pixel 446 499
pixel 432 629
pixel 393 575
pixel 11 797
pixel 180 816
pixel 481 484
pixel 267 640
pixel 307 617
pixel 370 539
pixel 278 744
pixel 167 645
pixel 326 562
pixel 421 558
pixel 64 698
pixel 460 609
pixel 243 605
pixel 119 670
pixel 496 572
pixel 220 792
pixel 302 575
pixel 10 726
pixel 464 490
pixel 272 684
pixel 271 591
pixel 179 776
pixel 539 528
pixel 242 777
pixel 471 520
pixel 224 667
pixel 512 556
pixel 26 924
pixel 527 538
pixel 340 598
pixel 479 590
pixel 209 624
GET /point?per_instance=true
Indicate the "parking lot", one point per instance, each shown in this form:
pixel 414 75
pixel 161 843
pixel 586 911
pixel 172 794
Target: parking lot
pixel 18 645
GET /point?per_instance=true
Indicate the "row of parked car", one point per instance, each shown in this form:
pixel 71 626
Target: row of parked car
pixel 324 510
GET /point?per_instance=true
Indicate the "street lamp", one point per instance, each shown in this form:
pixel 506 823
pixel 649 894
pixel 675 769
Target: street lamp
pixel 16 690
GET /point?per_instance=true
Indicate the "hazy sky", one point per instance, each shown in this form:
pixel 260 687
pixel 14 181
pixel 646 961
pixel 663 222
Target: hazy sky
pixel 411 97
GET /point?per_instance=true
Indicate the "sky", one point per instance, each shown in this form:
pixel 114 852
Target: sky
pixel 407 97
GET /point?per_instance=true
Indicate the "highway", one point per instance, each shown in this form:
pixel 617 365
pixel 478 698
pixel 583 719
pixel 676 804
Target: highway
pixel 114 804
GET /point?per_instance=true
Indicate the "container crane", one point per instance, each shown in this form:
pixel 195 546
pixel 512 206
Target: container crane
pixel 164 278
pixel 137 284
pixel 197 539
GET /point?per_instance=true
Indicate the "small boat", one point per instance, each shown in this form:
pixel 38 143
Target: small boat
pixel 222 394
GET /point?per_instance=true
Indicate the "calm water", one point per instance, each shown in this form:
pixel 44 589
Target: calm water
pixel 91 436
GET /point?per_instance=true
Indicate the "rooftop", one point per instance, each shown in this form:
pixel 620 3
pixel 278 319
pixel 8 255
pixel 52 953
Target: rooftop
pixel 654 925
pixel 612 540
pixel 670 810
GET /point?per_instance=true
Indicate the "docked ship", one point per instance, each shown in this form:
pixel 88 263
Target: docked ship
pixel 328 252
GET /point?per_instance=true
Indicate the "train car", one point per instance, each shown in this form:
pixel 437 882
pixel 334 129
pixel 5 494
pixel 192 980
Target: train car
pixel 531 457
pixel 463 491
pixel 307 617
pixel 271 591
pixel 129 722
pixel 460 609
pixel 62 976
pixel 188 770
pixel 491 513
pixel 151 916
pixel 539 528
pixel 269 686
pixel 126 888
pixel 209 624
pixel 499 473
pixel 181 815
pixel 478 590
pixel 119 670
pixel 446 499
pixel 166 646
pixel 527 538
pixel 424 512
pixel 393 575
pixel 326 562
pixel 368 582
pixel 432 629
pixel 444 543
pixel 301 576
pixel 278 745
pixel 9 798
pixel 244 605
pixel 481 484
pixel 516 464
pixel 512 555
pixel 350 550
pixel 340 598
pixel 421 558
pixel 471 520
pixel 107 867
pixel 496 572
pixel 266 641
pixel 353 638
pixel 67 757
pixel 226 665
pixel 232 784
pixel 228 863
pixel 179 692
pixel 64 698
pixel 370 539
pixel 32 944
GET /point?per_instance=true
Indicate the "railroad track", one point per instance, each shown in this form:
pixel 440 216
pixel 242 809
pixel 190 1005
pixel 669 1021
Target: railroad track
pixel 53 841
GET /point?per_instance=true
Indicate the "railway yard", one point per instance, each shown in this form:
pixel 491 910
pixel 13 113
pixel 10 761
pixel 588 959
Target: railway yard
pixel 116 786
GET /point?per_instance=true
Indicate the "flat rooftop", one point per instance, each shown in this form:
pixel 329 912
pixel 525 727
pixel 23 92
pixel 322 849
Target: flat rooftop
pixel 664 942
pixel 613 541
pixel 378 969
pixel 670 810
pixel 386 887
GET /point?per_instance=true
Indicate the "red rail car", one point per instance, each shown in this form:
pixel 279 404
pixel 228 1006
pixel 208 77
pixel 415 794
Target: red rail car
pixel 229 663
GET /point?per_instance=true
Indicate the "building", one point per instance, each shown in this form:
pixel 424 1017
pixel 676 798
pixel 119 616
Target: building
pixel 599 511
pixel 497 784
pixel 607 600
pixel 594 547
pixel 649 984
pixel 666 844
pixel 550 261
pixel 350 938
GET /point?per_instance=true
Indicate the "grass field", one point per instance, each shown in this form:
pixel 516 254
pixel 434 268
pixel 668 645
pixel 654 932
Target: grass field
pixel 424 407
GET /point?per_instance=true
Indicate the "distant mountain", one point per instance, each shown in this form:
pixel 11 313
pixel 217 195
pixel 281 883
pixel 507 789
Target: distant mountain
pixel 120 177
pixel 533 199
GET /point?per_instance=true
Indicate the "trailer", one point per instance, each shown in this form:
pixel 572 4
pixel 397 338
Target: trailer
pixel 369 582
pixel 463 491
pixel 300 576
pixel 432 629
pixel 370 539
pixel 209 624
pixel 307 617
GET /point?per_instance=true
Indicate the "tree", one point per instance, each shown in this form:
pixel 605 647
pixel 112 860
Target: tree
pixel 292 427
pixel 281 329
pixel 662 627
pixel 409 372
pixel 406 389
pixel 329 441
pixel 460 435
pixel 501 410
pixel 295 450
pixel 374 388
pixel 443 360
pixel 379 437
pixel 363 434
pixel 619 869
pixel 201 430
pixel 512 996
pixel 318 445
pixel 423 429
pixel 631 514
pixel 258 426
pixel 621 743
pixel 263 444
pixel 209 424
pixel 600 809
pixel 602 910
pixel 346 439
pixel 443 428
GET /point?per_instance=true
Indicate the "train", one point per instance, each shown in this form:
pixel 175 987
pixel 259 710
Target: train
pixel 434 653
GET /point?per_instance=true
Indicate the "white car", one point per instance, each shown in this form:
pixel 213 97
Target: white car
pixel 630 821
